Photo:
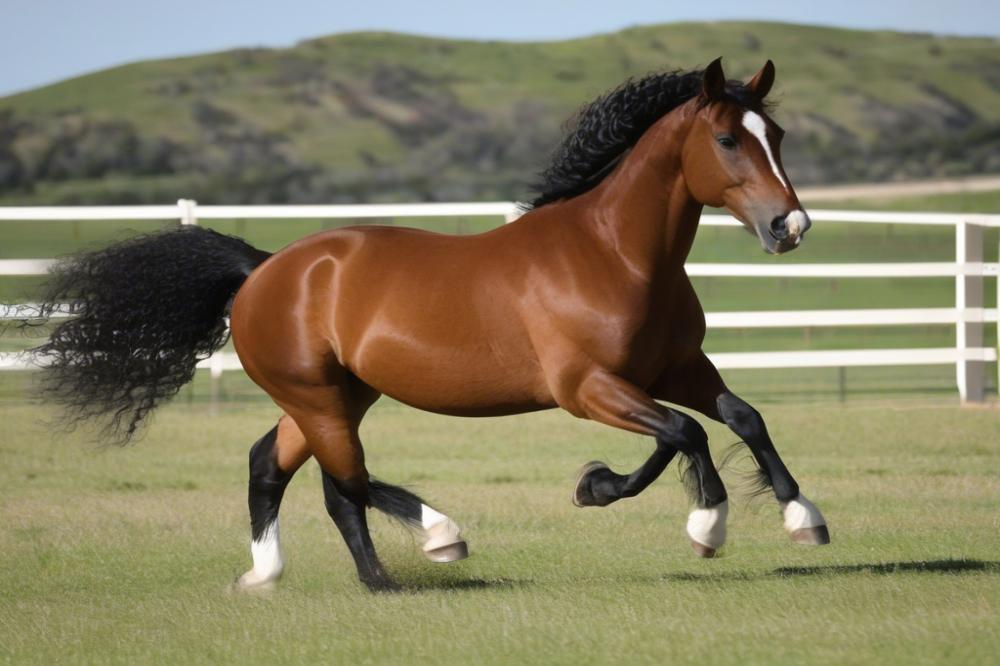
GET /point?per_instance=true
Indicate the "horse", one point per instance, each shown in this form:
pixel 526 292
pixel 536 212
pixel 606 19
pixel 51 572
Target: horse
pixel 582 304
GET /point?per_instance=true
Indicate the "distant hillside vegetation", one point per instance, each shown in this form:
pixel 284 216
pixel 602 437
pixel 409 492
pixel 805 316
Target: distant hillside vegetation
pixel 378 117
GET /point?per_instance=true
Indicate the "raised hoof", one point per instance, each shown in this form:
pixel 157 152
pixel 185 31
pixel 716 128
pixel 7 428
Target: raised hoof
pixel 453 552
pixel 582 495
pixel 701 550
pixel 811 536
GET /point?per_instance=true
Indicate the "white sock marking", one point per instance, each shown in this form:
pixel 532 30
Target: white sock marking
pixel 266 552
pixel 429 517
pixel 439 529
pixel 756 126
pixel 800 513
pixel 708 526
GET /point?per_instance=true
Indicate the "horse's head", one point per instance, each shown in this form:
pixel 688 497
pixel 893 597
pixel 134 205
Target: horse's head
pixel 731 159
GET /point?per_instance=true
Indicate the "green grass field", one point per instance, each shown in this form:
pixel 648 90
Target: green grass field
pixel 124 556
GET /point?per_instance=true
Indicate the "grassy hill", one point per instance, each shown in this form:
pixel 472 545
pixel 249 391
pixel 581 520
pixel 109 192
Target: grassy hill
pixel 375 116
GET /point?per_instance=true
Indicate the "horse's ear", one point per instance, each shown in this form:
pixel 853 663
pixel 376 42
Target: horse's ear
pixel 713 81
pixel 762 81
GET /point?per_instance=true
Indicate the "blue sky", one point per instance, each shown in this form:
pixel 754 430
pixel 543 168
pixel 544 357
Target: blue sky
pixel 42 41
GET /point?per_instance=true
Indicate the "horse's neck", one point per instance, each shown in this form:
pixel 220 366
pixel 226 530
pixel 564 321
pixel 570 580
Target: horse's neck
pixel 644 208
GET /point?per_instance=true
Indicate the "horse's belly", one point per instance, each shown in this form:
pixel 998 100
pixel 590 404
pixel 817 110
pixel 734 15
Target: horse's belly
pixel 451 370
pixel 458 386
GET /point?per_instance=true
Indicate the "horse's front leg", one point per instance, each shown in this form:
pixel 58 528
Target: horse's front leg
pixel 803 521
pixel 699 386
pixel 613 401
pixel 597 485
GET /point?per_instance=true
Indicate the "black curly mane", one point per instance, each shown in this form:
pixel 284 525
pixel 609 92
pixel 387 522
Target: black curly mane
pixel 604 130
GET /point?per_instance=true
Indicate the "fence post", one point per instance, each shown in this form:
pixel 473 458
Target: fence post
pixel 969 294
pixel 187 211
pixel 215 369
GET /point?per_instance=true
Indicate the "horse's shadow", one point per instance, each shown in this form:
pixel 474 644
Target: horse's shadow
pixel 460 584
pixel 952 567
pixel 878 568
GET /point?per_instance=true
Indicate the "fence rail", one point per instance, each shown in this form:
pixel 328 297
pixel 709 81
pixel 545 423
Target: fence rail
pixel 969 315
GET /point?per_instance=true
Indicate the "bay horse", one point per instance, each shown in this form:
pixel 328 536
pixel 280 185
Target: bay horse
pixel 582 303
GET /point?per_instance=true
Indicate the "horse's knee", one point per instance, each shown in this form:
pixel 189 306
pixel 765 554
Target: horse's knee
pixel 741 418
pixel 684 433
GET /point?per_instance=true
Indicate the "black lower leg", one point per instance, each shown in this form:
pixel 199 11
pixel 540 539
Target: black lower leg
pixel 349 517
pixel 600 486
pixel 701 478
pixel 267 484
pixel 746 422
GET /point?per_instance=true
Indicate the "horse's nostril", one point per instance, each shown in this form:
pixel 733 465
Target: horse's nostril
pixel 779 227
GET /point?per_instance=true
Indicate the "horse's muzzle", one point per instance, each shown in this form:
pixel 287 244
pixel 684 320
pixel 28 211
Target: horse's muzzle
pixel 785 232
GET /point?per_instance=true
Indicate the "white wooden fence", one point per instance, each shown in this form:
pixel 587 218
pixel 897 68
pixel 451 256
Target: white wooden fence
pixel 969 314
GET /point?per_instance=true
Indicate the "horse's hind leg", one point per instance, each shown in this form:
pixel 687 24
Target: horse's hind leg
pixel 444 543
pixel 442 537
pixel 443 540
pixel 328 416
pixel 274 459
pixel 349 517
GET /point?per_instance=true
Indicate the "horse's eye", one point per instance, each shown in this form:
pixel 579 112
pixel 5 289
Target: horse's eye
pixel 726 141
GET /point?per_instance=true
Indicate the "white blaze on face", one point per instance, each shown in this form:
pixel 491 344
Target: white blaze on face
pixel 756 126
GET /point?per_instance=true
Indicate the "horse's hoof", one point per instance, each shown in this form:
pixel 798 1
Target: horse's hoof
pixel 453 552
pixel 582 496
pixel 811 536
pixel 701 550
pixel 444 539
pixel 250 583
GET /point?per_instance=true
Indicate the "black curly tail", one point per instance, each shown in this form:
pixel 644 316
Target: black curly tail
pixel 143 313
